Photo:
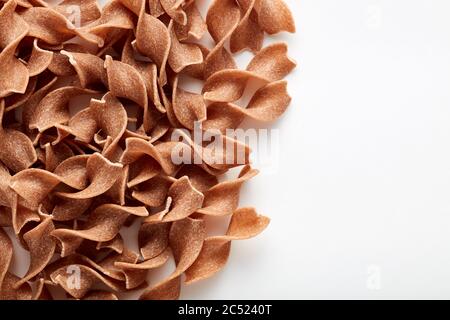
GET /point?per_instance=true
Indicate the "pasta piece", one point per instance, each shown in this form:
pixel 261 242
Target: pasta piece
pixel 153 41
pixel 136 148
pixel 21 216
pixel 39 60
pixel 100 295
pixel 188 107
pixel 15 75
pixel 41 247
pixel 186 239
pixel 185 201
pixel 195 27
pixel 267 105
pixel 33 185
pixel 270 64
pixel 50 26
pixel 89 10
pixel 153 193
pixel 111 119
pixel 114 19
pixel 223 198
pixel 6 255
pixel 222 20
pixel 89 68
pixel 248 34
pixel 153 239
pixel 16 149
pixel 9 292
pixel 148 72
pixel 53 109
pixel 182 55
pixel 275 16
pixel 41 292
pixel 174 10
pixel 89 278
pixel 103 224
pixel 102 175
pixel 244 224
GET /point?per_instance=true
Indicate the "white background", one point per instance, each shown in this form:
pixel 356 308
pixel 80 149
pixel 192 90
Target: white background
pixel 360 202
pixel 359 199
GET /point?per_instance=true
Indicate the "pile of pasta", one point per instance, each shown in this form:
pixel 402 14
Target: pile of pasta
pixel 73 176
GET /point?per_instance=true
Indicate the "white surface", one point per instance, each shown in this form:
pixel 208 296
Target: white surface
pixel 360 203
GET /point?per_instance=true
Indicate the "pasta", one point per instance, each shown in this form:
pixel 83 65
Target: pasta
pixel 89 108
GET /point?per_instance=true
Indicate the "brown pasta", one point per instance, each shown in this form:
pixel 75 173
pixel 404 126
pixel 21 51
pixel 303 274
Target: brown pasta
pixel 41 291
pixel 245 223
pixel 41 248
pixel 102 175
pixel 185 200
pixel 90 102
pixel 6 255
pixel 153 41
pixel 186 238
pixel 103 224
pixel 89 9
pixel 15 74
pixel 195 26
pixel 182 55
pixel 101 295
pixel 89 278
pixel 248 34
pixel 16 149
pixel 222 20
pixel 39 60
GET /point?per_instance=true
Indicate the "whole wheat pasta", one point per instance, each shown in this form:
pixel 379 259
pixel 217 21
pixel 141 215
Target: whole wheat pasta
pixel 245 223
pixel 100 295
pixel 223 198
pixel 195 27
pixel 182 55
pixel 222 19
pixel 185 200
pixel 89 10
pixel 186 238
pixel 17 99
pixel 228 85
pixel 41 248
pixel 41 291
pixel 102 175
pixel 147 70
pixel 153 239
pixel 89 68
pixel 53 109
pixel 92 112
pixel 116 244
pixel 248 34
pixel 89 278
pixel 39 60
pixel 16 149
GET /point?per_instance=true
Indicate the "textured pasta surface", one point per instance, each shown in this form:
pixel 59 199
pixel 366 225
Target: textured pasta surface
pixel 91 99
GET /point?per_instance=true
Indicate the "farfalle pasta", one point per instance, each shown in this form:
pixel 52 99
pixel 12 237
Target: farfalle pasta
pixel 98 133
